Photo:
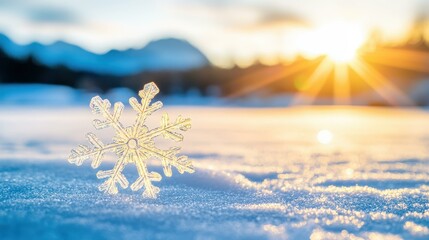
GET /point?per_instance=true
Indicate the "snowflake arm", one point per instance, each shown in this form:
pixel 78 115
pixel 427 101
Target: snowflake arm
pixel 144 109
pixel 145 178
pixel 114 176
pixel 167 129
pixel 169 158
pixel 102 107
pixel 83 152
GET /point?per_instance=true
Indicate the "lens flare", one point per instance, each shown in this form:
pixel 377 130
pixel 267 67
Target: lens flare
pixel 325 136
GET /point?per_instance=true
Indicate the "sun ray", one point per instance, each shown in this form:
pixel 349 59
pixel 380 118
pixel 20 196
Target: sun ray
pixel 405 59
pixel 341 84
pixel 380 84
pixel 314 83
pixel 256 80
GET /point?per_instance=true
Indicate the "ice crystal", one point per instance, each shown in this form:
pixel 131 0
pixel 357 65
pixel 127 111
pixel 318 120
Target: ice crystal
pixel 133 144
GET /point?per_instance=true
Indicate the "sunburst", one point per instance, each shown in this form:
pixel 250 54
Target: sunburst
pixel 338 51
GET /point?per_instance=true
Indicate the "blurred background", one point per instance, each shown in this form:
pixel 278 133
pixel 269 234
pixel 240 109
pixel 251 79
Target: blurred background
pixel 216 52
pixel 264 170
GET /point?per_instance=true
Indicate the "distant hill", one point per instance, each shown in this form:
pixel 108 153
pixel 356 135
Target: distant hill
pixel 164 54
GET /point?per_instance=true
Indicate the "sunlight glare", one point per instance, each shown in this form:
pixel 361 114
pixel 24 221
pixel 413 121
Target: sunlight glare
pixel 339 42
pixel 324 136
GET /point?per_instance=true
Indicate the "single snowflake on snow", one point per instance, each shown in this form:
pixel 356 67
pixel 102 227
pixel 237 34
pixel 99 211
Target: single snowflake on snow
pixel 134 144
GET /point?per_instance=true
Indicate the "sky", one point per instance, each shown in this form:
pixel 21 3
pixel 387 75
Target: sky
pixel 227 31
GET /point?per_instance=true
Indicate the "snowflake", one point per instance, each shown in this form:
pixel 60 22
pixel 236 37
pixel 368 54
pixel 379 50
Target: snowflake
pixel 133 144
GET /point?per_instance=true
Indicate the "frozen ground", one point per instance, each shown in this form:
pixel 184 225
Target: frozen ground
pixel 260 174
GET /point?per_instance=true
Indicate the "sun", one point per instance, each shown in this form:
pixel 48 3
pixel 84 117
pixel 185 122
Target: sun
pixel 340 42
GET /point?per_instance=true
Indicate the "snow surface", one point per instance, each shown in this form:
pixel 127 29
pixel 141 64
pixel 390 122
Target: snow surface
pixel 260 174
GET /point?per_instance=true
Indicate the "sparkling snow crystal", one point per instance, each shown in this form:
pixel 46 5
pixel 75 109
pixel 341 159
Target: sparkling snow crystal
pixel 134 144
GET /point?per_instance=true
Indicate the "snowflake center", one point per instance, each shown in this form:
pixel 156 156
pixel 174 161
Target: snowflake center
pixel 132 143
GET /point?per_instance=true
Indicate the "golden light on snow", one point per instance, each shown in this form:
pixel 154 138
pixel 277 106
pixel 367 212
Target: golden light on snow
pixel 349 172
pixel 325 136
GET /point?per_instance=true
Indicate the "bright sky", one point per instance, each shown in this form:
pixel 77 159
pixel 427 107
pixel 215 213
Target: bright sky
pixel 225 30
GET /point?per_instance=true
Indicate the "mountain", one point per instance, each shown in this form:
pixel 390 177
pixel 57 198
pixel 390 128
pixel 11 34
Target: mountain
pixel 163 54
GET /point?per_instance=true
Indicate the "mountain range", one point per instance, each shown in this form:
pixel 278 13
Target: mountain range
pixel 164 54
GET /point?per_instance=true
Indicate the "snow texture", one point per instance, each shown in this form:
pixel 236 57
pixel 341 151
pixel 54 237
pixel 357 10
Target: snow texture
pixel 134 144
pixel 260 174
